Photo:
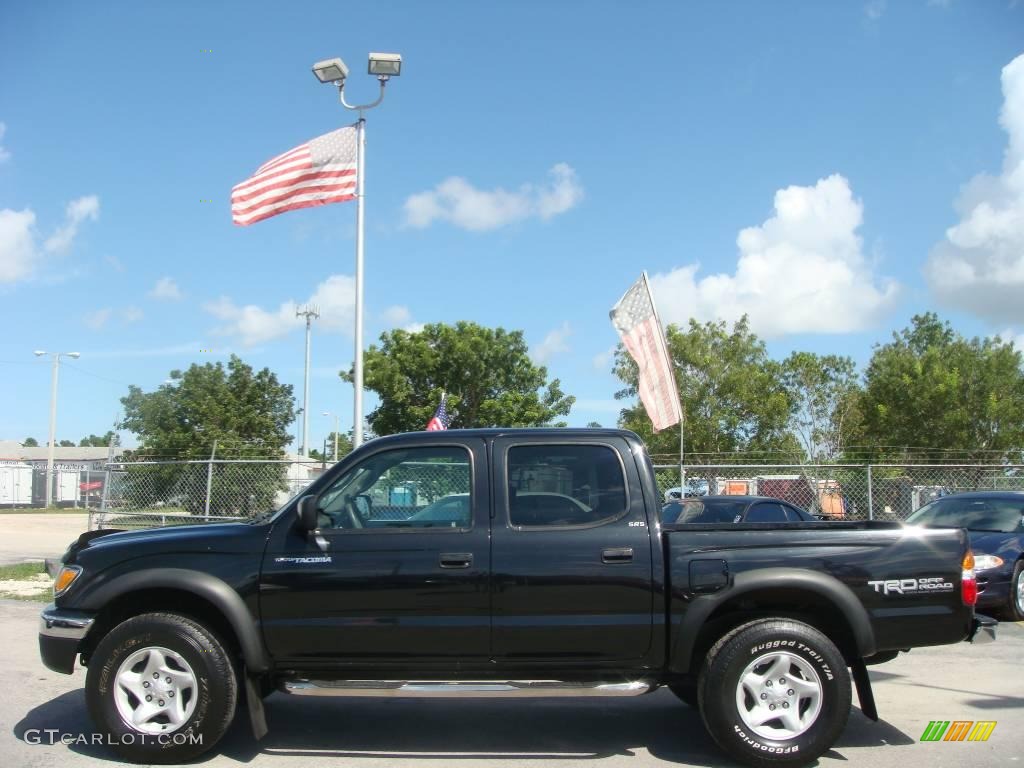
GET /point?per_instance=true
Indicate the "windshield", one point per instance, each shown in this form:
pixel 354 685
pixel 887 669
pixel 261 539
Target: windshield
pixel 975 514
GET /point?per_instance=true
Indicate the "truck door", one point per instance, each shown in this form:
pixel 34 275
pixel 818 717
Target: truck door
pixel 571 553
pixel 397 573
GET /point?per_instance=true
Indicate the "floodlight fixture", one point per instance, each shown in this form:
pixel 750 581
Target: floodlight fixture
pixel 330 71
pixel 39 352
pixel 385 64
pixel 75 355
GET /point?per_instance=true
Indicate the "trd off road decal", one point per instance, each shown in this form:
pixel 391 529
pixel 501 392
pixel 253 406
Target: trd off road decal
pixel 911 586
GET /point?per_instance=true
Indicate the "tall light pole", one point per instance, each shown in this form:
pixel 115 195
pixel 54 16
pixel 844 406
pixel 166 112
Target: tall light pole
pixel 384 66
pixel 310 312
pixel 337 422
pixel 53 416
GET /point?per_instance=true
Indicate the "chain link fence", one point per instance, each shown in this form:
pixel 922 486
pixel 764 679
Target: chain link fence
pixel 146 493
pixel 841 491
pixel 151 493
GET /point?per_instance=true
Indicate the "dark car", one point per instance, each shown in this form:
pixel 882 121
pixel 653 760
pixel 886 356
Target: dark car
pixel 995 522
pixel 733 509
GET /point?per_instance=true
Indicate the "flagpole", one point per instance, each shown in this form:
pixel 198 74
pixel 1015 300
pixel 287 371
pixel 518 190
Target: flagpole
pixel 357 400
pixel 357 367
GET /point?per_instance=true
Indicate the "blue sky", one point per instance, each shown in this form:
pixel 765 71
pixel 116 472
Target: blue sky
pixel 533 158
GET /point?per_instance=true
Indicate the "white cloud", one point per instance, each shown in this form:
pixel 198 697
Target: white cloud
pixel 79 210
pixel 4 154
pixel 131 315
pixel 802 271
pixel 166 289
pixel 399 316
pixel 334 297
pixel 874 9
pixel 554 343
pixel 18 250
pixel 1017 338
pixel 114 263
pixel 602 360
pixel 457 201
pixel 979 266
pixel 98 318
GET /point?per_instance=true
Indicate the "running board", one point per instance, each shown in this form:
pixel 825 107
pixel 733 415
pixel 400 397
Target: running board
pixel 441 689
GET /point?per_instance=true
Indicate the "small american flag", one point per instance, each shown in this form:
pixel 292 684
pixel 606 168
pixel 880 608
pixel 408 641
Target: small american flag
pixel 440 420
pixel 318 172
pixel 636 320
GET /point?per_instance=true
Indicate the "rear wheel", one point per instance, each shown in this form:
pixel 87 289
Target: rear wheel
pixel 162 688
pixel 774 692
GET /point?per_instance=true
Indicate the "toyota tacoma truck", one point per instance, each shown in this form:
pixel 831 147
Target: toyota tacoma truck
pixel 489 563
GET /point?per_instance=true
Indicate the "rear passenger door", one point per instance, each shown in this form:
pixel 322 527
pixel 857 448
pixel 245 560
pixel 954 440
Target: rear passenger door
pixel 571 553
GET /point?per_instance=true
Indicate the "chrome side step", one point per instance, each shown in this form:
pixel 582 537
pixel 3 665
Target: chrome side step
pixel 442 689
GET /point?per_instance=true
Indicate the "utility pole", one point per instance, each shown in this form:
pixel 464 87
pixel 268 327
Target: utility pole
pixel 53 416
pixel 310 311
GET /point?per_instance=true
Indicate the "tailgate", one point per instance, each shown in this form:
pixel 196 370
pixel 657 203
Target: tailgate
pixel 907 579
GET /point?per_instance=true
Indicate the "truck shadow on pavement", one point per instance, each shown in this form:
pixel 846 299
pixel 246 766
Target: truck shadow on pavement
pixel 541 729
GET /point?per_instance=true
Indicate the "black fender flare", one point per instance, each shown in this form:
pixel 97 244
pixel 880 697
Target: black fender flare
pixel 813 582
pixel 203 585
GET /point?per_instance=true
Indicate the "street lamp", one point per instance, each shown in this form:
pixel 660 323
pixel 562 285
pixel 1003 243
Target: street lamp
pixel 53 416
pixel 384 66
pixel 336 428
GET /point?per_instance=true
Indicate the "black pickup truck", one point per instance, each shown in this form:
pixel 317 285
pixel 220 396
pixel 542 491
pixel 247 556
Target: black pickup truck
pixel 499 563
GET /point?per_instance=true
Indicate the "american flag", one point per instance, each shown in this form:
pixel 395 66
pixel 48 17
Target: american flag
pixel 440 420
pixel 318 172
pixel 636 320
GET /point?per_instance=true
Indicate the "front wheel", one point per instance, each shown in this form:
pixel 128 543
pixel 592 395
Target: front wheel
pixel 774 692
pixel 162 688
pixel 1015 608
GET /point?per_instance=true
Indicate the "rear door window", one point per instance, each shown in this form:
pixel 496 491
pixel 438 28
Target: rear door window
pixel 564 485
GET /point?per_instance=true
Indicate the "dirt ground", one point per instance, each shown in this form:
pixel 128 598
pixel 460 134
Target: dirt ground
pixel 38 536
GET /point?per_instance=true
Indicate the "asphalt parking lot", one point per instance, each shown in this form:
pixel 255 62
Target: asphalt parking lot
pixel 960 682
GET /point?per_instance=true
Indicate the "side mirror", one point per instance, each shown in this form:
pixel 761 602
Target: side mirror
pixel 307 513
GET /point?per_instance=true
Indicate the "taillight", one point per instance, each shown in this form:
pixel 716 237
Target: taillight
pixel 968 583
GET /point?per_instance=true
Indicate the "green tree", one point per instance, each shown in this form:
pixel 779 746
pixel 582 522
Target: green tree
pixel 486 372
pixel 97 441
pixel 66 444
pixel 246 414
pixel 30 442
pixel 822 391
pixel 344 448
pixel 732 395
pixel 930 388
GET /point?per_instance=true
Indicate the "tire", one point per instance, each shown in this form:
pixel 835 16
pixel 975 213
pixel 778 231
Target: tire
pixel 686 692
pixel 765 652
pixel 194 688
pixel 1014 610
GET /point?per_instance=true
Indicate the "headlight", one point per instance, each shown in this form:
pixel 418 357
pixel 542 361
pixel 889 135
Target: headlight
pixel 65 578
pixel 984 562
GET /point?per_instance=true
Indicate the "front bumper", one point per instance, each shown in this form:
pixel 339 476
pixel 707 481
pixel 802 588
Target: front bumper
pixel 983 630
pixel 61 631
